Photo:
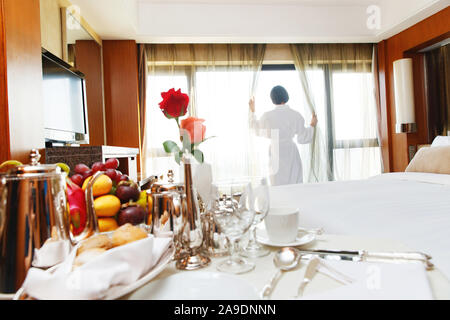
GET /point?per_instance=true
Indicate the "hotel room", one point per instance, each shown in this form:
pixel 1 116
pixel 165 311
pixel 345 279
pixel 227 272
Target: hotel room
pixel 278 150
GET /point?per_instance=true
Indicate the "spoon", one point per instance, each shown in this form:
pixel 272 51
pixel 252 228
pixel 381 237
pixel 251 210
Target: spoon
pixel 285 259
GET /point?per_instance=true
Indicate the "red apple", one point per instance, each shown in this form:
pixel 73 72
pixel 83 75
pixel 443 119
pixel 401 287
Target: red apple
pixel 98 166
pixel 77 179
pixel 81 168
pixel 112 163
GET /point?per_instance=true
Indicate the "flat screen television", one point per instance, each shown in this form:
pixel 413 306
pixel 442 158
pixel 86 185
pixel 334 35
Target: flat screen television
pixel 65 109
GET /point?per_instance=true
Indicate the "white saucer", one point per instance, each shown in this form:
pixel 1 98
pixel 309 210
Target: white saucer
pixel 201 285
pixel 302 239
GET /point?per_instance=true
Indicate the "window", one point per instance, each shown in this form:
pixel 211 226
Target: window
pixel 356 152
pixel 158 128
pixel 221 98
pixel 345 118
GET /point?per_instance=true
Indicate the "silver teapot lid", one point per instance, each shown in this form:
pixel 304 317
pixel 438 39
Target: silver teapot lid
pixel 161 184
pixel 35 167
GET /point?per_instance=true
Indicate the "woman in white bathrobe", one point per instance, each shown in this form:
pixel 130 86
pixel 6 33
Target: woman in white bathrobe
pixel 281 125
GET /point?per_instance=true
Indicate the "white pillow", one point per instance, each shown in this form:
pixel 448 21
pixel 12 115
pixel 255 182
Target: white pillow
pixel 441 141
pixel 431 160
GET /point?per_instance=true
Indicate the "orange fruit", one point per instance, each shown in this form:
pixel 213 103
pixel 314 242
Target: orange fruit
pixel 102 185
pixel 107 206
pixel 107 224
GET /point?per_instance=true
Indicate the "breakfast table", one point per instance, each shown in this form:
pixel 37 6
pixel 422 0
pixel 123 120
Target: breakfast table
pixel 288 283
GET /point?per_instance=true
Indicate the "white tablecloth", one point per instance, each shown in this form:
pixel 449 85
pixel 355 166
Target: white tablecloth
pixel 288 284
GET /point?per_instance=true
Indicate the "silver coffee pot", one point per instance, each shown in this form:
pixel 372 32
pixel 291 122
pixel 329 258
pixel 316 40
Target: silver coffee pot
pixel 33 209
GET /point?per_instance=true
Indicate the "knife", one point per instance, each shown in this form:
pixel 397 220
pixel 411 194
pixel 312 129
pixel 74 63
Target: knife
pixel 311 270
pixel 363 255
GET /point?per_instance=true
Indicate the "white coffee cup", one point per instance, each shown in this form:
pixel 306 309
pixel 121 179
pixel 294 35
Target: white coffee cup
pixel 282 224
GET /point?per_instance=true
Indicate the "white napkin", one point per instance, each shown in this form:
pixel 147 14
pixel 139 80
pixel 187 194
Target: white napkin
pixel 51 253
pixel 377 281
pixel 118 266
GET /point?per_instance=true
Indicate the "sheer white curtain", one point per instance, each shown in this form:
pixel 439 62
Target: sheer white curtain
pixel 219 79
pixel 289 79
pixel 161 78
pixel 224 87
pixel 158 127
pixel 356 151
pixel 338 84
pixel 223 103
pixel 334 81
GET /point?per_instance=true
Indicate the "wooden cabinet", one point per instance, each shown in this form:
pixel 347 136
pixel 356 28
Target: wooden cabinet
pixel 88 155
pixel 88 60
pixel 121 93
pixel 21 107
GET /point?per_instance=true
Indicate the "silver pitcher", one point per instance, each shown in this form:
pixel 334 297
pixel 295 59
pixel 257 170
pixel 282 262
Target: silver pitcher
pixel 33 209
pixel 174 208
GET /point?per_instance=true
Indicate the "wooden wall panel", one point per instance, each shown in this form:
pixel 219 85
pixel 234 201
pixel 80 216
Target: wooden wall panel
pixel 4 114
pixel 385 116
pixel 120 73
pixel 89 61
pixel 398 47
pixel 24 77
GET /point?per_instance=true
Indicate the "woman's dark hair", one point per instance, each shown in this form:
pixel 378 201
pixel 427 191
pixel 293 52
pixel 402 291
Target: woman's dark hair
pixel 279 95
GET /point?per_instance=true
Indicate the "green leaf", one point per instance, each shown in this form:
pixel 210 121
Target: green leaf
pixel 198 155
pixel 178 156
pixel 186 142
pixel 170 146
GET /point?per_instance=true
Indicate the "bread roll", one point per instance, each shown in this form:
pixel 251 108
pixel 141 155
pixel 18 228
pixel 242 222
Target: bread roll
pixel 98 241
pixel 87 255
pixel 126 234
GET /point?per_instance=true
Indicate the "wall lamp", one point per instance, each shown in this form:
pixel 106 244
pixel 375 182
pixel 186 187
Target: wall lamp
pixel 404 96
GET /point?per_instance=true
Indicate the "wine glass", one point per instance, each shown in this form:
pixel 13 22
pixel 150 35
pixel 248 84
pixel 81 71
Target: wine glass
pixel 233 213
pixel 261 200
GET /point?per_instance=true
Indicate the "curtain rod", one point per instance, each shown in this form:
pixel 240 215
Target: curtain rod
pixel 239 63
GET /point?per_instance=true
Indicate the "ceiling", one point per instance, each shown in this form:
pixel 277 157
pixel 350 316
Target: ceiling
pixel 253 21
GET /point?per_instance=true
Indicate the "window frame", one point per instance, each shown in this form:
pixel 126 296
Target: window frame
pixel 333 144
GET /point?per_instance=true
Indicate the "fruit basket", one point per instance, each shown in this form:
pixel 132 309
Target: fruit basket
pixel 126 259
pixel 117 199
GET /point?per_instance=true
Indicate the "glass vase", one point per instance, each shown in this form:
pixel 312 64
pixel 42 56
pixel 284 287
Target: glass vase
pixel 188 233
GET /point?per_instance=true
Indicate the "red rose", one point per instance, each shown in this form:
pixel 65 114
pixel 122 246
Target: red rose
pixel 194 127
pixel 174 103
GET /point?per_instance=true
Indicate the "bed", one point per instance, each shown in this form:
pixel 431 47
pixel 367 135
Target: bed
pixel 410 207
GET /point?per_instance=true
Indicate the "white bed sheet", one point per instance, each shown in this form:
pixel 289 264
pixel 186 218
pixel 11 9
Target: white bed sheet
pixel 413 208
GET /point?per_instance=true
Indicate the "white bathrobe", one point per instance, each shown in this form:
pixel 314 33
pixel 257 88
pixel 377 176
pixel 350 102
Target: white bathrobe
pixel 281 125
